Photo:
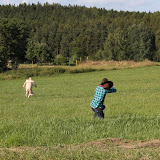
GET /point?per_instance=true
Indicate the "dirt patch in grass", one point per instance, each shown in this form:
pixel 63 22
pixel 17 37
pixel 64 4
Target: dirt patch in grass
pixel 104 143
pixel 115 142
pixel 111 148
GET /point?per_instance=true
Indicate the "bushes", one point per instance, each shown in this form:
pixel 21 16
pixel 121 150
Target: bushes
pixel 33 72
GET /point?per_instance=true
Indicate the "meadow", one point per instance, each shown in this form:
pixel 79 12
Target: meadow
pixel 59 117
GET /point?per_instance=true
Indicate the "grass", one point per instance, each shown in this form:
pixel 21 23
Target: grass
pixel 59 114
pixel 90 151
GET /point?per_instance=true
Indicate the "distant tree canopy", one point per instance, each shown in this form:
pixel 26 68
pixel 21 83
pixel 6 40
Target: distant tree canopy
pixel 39 33
pixel 13 40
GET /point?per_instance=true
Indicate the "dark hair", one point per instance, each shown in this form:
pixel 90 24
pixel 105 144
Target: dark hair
pixel 110 84
pixel 105 80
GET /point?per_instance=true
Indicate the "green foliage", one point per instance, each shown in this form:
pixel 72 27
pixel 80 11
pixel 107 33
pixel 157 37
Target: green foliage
pixel 13 33
pixel 156 56
pixel 115 46
pixel 140 42
pixel 59 60
pixel 38 52
pixel 100 55
pixel 3 55
pixel 76 31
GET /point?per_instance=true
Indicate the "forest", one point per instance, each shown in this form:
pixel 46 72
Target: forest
pixel 36 33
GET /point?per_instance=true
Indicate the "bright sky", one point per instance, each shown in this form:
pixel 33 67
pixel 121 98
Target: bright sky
pixel 124 5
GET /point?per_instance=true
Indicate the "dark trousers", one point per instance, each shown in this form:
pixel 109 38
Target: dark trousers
pixel 98 112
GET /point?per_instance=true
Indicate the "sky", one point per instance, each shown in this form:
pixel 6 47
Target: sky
pixel 119 5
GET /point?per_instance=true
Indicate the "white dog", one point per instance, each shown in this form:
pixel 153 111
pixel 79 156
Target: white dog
pixel 28 84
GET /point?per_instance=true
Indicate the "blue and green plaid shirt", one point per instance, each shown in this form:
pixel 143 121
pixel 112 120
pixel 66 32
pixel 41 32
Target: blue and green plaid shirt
pixel 99 96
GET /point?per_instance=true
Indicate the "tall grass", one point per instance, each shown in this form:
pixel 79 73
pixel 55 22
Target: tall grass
pixel 42 72
pixel 59 112
pixel 25 71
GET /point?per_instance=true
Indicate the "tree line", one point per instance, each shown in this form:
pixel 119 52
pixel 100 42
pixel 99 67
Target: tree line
pixel 43 33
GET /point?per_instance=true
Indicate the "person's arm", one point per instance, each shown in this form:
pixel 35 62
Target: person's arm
pixel 34 84
pixel 111 90
pixel 24 85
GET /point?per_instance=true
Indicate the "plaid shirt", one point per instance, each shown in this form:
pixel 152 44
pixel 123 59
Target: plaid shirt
pixel 99 96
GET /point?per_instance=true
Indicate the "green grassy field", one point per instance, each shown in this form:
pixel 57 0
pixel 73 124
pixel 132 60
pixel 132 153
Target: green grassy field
pixel 59 113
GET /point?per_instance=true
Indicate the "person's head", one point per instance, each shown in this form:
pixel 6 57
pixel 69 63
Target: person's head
pixel 108 85
pixel 30 78
pixel 104 81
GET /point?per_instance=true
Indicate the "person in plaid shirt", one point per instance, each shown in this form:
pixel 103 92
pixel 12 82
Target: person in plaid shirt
pixel 99 97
